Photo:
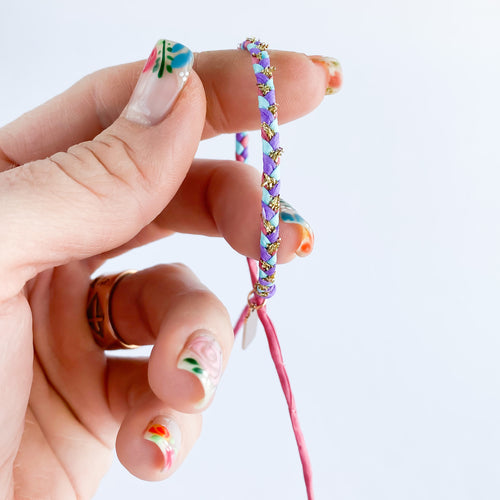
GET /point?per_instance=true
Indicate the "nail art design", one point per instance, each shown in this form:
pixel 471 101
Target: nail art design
pixel 163 77
pixel 290 215
pixel 335 70
pixel 165 434
pixel 202 356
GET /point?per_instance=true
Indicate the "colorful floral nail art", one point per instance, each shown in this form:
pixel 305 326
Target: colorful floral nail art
pixel 290 215
pixel 167 56
pixel 202 356
pixel 163 77
pixel 165 434
pixel 335 71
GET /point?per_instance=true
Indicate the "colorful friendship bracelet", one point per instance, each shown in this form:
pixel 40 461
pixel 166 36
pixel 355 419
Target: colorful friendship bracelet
pixel 269 238
pixel 264 284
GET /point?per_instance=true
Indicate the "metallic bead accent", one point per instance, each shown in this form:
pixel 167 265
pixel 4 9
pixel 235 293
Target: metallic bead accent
pixel 265 266
pixel 268 182
pixel 274 109
pixel 274 204
pixel 269 71
pixel 271 278
pixel 276 154
pixel 272 248
pixel 268 226
pixel 264 88
pixel 268 130
pixel 261 290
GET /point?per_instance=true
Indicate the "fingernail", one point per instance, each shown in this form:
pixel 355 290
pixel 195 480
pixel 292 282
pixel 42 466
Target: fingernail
pixel 202 356
pixel 165 434
pixel 289 215
pixel 162 78
pixel 334 71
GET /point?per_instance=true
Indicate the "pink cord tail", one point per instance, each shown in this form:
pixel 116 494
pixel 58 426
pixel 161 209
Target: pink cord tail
pixel 275 350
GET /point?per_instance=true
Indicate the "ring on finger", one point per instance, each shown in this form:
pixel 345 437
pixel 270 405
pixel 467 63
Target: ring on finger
pixel 99 312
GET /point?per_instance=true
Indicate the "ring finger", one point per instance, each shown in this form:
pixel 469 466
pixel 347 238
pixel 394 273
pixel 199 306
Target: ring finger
pixel 191 331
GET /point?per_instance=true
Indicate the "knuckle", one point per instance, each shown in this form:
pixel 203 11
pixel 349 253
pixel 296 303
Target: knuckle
pixel 204 299
pixel 176 270
pixel 109 167
pixel 217 114
pixel 180 267
pixel 104 168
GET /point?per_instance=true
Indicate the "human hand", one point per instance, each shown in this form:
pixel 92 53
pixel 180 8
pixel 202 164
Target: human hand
pixel 82 180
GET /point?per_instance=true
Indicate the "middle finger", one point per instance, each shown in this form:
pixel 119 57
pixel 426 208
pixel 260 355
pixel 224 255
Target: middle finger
pixel 95 102
pixel 200 206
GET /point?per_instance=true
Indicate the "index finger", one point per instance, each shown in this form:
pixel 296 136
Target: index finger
pixel 92 104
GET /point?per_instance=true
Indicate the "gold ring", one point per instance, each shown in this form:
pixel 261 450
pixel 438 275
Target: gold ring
pixel 99 312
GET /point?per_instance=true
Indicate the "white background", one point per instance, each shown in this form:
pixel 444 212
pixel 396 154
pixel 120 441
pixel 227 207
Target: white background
pixel 391 328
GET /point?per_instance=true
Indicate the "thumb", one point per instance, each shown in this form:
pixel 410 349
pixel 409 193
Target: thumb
pixel 100 193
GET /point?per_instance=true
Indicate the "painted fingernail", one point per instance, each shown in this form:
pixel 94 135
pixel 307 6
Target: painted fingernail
pixel 289 215
pixel 163 77
pixel 334 70
pixel 202 356
pixel 165 434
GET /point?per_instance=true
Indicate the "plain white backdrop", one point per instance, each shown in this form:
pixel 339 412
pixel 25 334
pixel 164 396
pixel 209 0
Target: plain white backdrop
pixel 390 329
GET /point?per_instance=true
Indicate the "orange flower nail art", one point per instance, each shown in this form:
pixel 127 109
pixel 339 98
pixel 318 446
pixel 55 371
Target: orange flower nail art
pixel 165 434
pixel 288 214
pixel 334 69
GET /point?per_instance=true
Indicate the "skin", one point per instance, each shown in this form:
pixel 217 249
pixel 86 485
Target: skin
pixel 79 184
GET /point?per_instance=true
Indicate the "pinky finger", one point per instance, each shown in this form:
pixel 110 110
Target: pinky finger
pixel 154 440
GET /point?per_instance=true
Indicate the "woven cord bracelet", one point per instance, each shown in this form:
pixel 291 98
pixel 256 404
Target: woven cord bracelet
pixel 271 153
pixel 264 284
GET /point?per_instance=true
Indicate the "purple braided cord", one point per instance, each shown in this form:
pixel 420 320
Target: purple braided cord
pixel 270 240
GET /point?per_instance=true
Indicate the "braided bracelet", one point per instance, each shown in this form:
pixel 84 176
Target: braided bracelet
pixel 264 284
pixel 271 153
